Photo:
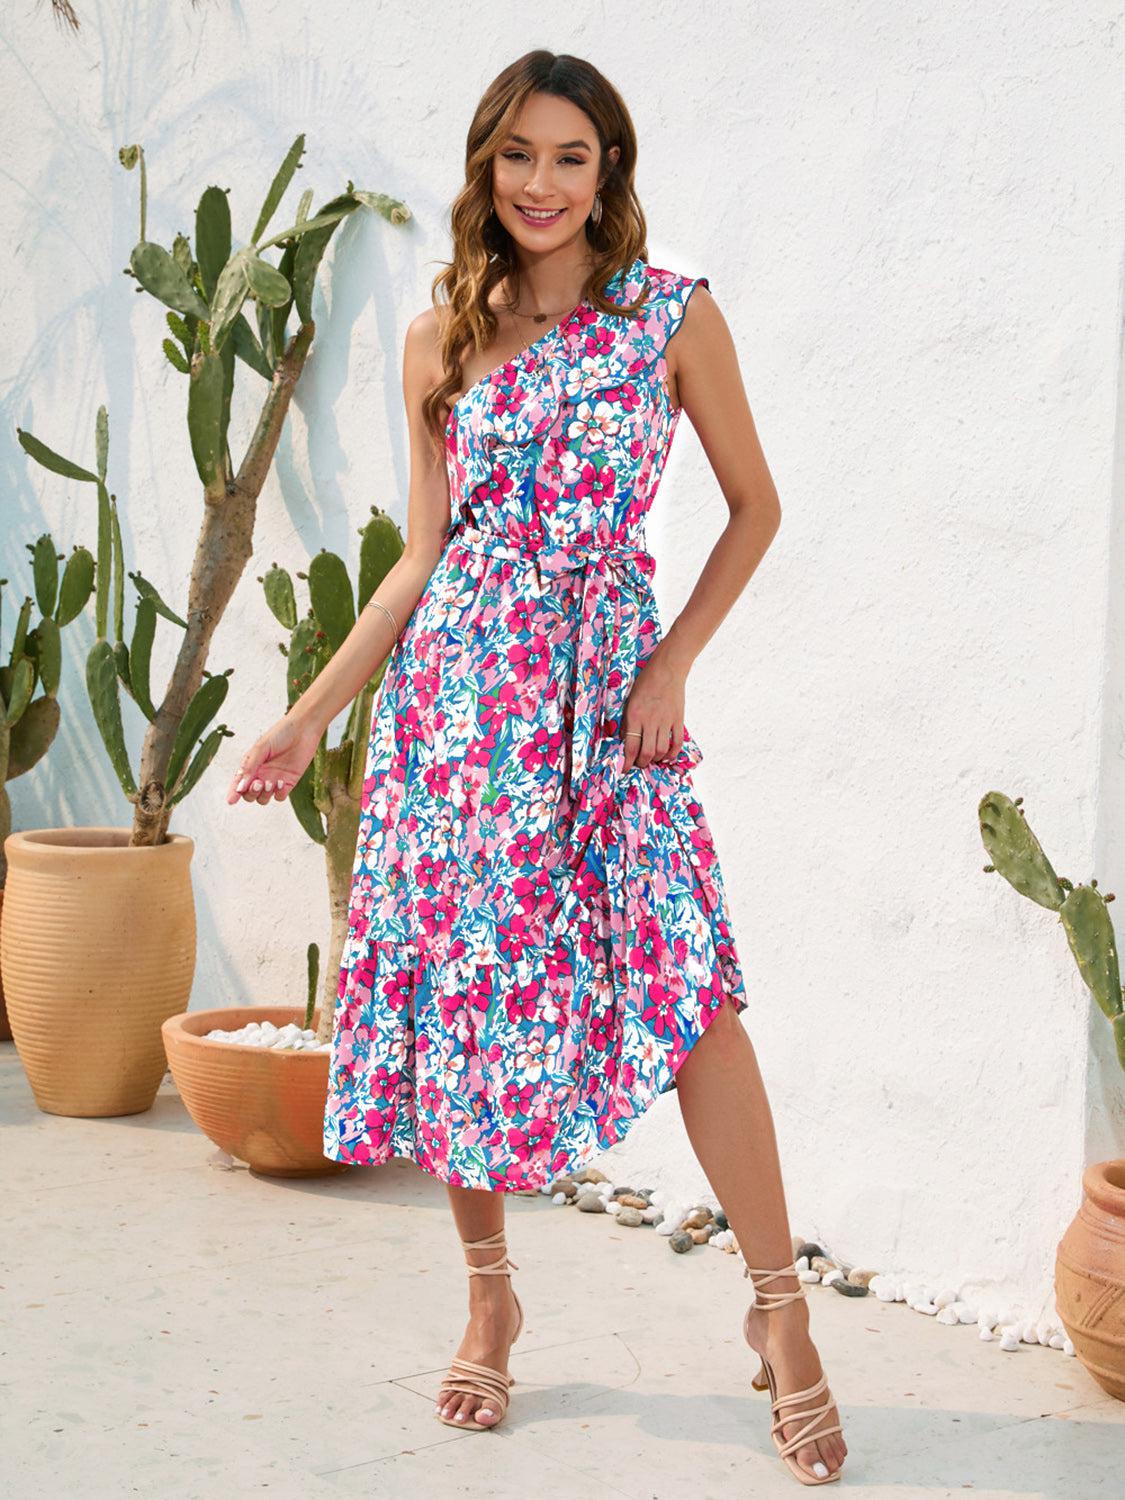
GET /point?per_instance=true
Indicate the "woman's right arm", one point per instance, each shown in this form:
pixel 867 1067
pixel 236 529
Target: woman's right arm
pixel 278 759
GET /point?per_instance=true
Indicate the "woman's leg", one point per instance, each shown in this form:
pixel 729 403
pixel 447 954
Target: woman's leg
pixel 730 1125
pixel 478 1213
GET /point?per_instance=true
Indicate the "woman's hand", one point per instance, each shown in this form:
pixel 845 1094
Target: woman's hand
pixel 655 707
pixel 274 764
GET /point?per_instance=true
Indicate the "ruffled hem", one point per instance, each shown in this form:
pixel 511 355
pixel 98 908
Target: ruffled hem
pixel 412 1147
pixel 480 1096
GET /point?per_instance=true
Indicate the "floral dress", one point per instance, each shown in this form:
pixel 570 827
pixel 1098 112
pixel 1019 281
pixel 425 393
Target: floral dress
pixel 537 937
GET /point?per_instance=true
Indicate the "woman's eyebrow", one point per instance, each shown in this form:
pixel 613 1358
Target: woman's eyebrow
pixel 564 146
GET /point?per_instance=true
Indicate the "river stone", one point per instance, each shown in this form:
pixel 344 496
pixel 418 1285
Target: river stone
pixel 680 1241
pixel 821 1263
pixel 565 1185
pixel 631 1217
pixel 590 1174
pixel 632 1200
pixel 697 1218
pixel 701 1236
pixel 863 1278
pixel 848 1288
pixel 808 1249
pixel 721 1219
pixel 591 1203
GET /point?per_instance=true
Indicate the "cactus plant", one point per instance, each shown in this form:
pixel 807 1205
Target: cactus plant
pixel 206 292
pixel 1083 911
pixel 326 800
pixel 29 683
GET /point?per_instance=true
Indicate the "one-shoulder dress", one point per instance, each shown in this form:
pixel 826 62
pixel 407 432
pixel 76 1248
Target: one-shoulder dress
pixel 537 937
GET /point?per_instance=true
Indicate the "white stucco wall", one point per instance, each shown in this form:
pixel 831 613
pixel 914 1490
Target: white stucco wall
pixel 912 219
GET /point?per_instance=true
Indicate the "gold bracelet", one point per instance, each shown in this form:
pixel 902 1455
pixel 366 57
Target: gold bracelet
pixel 378 604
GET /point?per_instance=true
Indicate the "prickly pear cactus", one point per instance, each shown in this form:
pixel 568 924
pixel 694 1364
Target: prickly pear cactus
pixel 326 800
pixel 1015 851
pixel 1083 910
pixel 29 681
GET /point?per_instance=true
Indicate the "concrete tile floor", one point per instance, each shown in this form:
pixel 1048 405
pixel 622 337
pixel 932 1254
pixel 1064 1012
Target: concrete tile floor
pixel 177 1328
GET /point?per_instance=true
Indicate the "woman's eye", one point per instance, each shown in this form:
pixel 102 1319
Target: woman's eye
pixel 576 161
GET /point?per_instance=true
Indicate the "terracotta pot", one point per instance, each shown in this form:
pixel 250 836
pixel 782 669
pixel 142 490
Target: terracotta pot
pixel 1090 1276
pixel 5 1024
pixel 97 949
pixel 263 1105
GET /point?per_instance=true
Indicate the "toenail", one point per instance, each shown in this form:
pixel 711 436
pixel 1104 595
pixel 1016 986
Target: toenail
pixel 820 1469
pixel 460 1416
pixel 486 1411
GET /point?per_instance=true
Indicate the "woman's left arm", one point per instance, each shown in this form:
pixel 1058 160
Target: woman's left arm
pixel 703 363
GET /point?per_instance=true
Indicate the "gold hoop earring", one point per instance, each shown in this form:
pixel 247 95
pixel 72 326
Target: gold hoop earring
pixel 596 211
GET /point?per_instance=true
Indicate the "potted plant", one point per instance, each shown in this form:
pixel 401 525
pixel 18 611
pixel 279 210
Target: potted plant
pixel 1089 1262
pixel 97 947
pixel 29 683
pixel 253 1082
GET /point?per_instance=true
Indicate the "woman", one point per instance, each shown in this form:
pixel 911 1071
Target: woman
pixel 539 939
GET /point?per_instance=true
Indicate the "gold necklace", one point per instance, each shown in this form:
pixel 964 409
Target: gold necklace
pixel 538 317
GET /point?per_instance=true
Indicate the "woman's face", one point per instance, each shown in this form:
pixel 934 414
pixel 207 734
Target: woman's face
pixel 549 163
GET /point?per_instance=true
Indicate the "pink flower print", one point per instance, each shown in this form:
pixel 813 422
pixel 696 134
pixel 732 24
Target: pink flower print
pixel 520 617
pixel 519 1146
pixel 436 778
pixel 518 1099
pixel 430 1097
pixel 595 483
pixel 344 1049
pixel 529 659
pixel 660 1012
pixel 433 916
pixel 532 891
pixel 521 1002
pixel 601 1032
pixel 428 872
pixel 543 749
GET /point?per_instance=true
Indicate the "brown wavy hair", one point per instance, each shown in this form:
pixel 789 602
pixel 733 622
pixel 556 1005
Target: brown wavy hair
pixel 483 253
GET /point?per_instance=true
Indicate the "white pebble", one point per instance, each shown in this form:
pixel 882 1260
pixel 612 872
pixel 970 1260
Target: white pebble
pixel 808 1275
pixel 985 1334
pixel 802 1263
pixel 653 1214
pixel 947 1315
pixel 558 1197
pixel 613 1207
pixel 966 1312
pixel 658 1195
pixel 927 1308
pixel 943 1299
pixel 1068 1347
pixel 666 1227
pixel 1057 1341
pixel 830 1276
pixel 1028 1334
pixel 1009 1340
pixel 1043 1332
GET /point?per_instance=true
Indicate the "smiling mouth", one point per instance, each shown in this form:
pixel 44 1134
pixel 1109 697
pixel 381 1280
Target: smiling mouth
pixel 539 216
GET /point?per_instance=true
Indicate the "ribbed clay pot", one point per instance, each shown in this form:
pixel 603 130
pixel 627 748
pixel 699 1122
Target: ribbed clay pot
pixel 1090 1276
pixel 264 1105
pixel 97 949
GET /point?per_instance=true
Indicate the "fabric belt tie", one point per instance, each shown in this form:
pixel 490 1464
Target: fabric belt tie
pixel 608 572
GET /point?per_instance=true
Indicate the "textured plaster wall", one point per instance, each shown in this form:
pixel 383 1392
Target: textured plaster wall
pixel 911 217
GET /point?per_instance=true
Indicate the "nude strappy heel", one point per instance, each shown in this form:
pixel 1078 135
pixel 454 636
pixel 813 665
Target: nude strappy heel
pixel 765 1378
pixel 467 1378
